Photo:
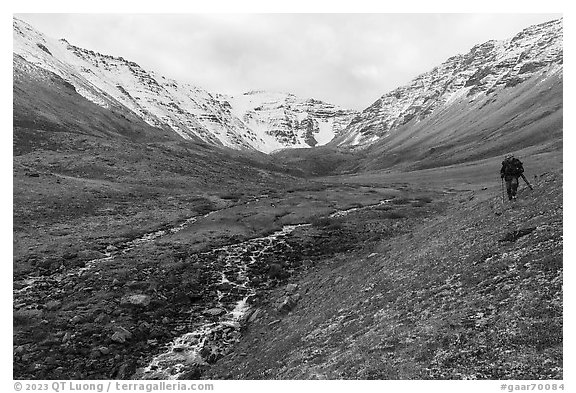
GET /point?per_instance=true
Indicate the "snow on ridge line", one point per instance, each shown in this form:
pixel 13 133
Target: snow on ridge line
pixel 188 110
pixel 486 69
pixel 107 80
pixel 289 120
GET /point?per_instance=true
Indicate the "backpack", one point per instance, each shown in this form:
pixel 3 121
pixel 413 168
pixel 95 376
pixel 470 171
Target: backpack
pixel 512 167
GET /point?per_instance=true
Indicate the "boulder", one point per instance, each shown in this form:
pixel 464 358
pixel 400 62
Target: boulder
pixel 102 319
pixel 126 370
pixel 135 300
pixel 71 262
pixel 104 350
pixel 214 311
pixel 137 285
pixel 181 297
pixel 76 319
pixel 291 288
pixel 254 315
pixel 193 372
pixel 158 332
pixel 231 324
pixel 53 305
pixel 211 353
pixel 70 255
pixel 288 303
pixel 144 326
pixel 121 335
pixel 225 286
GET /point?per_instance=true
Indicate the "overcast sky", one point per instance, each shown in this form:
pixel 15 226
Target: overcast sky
pixel 346 59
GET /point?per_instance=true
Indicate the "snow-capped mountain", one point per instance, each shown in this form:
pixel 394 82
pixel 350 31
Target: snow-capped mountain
pixel 486 71
pixel 188 110
pixel 283 120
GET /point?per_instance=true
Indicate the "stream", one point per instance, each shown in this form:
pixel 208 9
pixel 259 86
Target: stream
pixel 211 337
pixel 343 213
pixel 218 327
pixel 110 253
pixel 213 328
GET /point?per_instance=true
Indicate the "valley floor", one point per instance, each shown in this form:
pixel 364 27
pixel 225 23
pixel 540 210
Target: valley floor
pixel 392 279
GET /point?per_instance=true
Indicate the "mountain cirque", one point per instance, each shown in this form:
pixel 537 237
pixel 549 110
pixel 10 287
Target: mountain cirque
pixel 268 121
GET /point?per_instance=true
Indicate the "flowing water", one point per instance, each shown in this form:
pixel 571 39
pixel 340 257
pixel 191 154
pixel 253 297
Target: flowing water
pixel 218 328
pixel 343 213
pixel 109 253
pixel 211 333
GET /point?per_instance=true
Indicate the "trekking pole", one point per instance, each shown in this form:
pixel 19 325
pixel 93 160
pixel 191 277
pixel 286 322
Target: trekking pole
pixel 526 180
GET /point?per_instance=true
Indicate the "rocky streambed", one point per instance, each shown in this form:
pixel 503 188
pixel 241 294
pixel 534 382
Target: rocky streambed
pixel 112 251
pixel 235 271
pixel 154 308
pixel 160 320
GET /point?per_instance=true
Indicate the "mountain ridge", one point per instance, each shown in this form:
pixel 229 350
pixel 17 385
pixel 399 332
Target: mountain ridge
pixel 188 110
pixel 272 121
pixel 485 71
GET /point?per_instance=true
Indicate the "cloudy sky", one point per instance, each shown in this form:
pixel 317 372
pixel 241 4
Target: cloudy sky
pixel 346 59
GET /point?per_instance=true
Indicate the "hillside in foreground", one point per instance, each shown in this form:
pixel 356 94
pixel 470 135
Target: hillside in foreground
pixel 454 285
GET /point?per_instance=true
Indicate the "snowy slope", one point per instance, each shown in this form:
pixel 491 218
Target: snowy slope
pixel 107 80
pixel 282 120
pixel 486 71
pixel 188 110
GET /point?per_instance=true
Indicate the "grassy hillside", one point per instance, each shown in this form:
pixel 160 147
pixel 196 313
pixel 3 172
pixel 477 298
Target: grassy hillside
pixel 527 118
pixel 454 287
pixel 528 115
pixel 44 104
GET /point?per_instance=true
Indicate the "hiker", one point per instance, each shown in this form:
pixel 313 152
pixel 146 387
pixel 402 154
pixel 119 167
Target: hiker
pixel 511 170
